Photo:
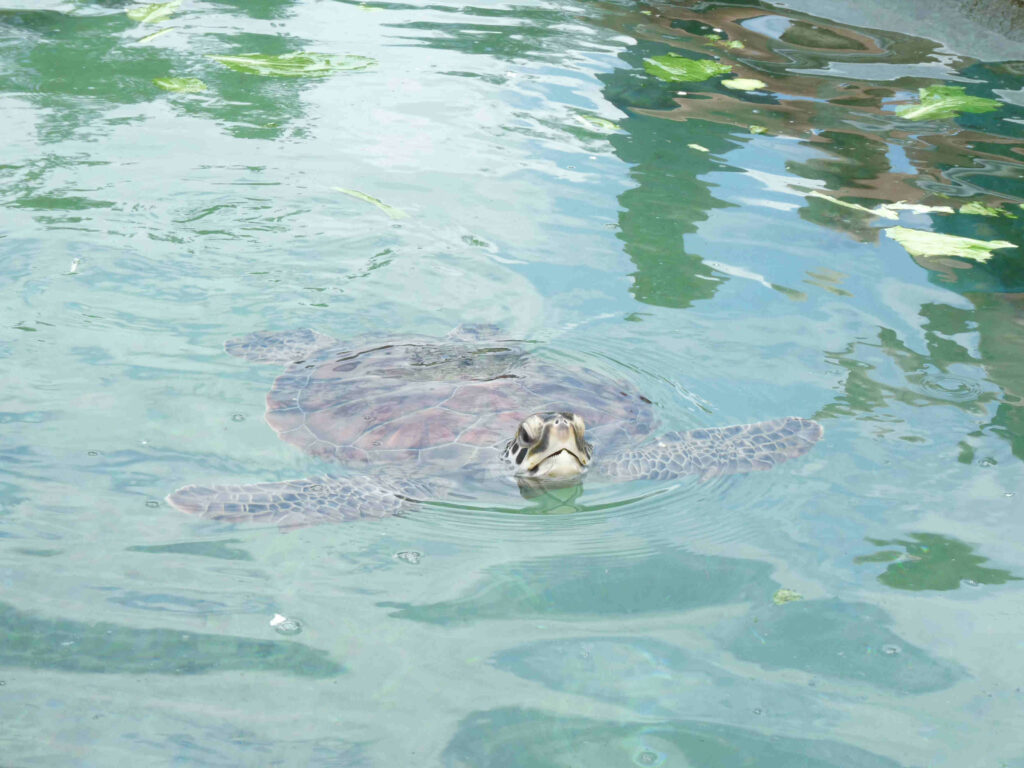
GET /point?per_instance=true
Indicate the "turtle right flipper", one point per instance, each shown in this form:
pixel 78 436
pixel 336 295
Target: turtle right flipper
pixel 301 502
pixel 715 451
pixel 281 347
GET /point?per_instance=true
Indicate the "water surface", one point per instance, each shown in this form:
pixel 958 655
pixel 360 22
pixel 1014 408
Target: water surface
pixel 695 240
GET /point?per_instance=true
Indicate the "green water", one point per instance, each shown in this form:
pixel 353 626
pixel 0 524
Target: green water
pixel 531 171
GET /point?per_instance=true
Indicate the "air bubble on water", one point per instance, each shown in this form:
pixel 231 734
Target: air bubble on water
pixel 648 757
pixel 316 487
pixel 409 556
pixel 1008 494
pixel 285 626
pixel 969 583
pixel 238 417
pixel 93 453
pixel 758 711
pixel 152 503
pixel 891 649
pixel 987 462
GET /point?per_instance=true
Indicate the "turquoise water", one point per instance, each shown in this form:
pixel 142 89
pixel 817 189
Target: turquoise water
pixel 687 237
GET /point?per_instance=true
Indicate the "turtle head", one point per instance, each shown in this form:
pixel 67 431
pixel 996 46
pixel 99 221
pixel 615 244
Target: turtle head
pixel 549 446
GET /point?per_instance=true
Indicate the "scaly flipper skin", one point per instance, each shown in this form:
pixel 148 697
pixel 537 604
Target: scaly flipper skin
pixel 304 502
pixel 281 347
pixel 714 451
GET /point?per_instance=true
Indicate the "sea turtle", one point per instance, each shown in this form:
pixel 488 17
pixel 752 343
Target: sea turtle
pixel 412 416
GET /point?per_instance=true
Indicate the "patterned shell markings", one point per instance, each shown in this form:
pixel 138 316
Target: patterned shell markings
pixel 438 404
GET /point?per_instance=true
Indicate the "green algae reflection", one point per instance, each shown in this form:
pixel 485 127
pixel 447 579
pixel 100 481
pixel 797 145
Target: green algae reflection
pixel 932 562
pixel 299 64
pixel 35 642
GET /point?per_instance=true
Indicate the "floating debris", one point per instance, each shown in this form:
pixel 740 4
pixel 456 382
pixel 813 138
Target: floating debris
pixel 394 213
pixel 285 626
pixel 148 14
pixel 744 84
pixel 299 64
pixel 595 123
pixel 783 596
pixel 648 758
pixel 676 68
pixel 154 35
pixel 410 556
pixel 180 84
pixel 885 210
pixel 942 101
pixel 978 208
pixel 915 207
pixel 921 243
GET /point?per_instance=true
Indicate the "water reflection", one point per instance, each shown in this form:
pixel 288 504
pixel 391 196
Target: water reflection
pixel 931 561
pixel 837 639
pixel 601 586
pixel 221 550
pixel 78 69
pixel 833 88
pixel 225 744
pixel 27 640
pixel 512 737
pixel 656 679
pixel 249 106
pixel 190 231
pixel 509 33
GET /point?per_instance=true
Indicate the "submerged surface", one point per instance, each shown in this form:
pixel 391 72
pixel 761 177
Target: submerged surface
pixel 779 231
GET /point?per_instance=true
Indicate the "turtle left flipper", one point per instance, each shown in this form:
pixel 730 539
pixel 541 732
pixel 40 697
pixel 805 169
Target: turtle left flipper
pixel 714 451
pixel 302 502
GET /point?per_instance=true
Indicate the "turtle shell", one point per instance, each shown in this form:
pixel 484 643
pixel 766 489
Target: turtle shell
pixel 439 405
